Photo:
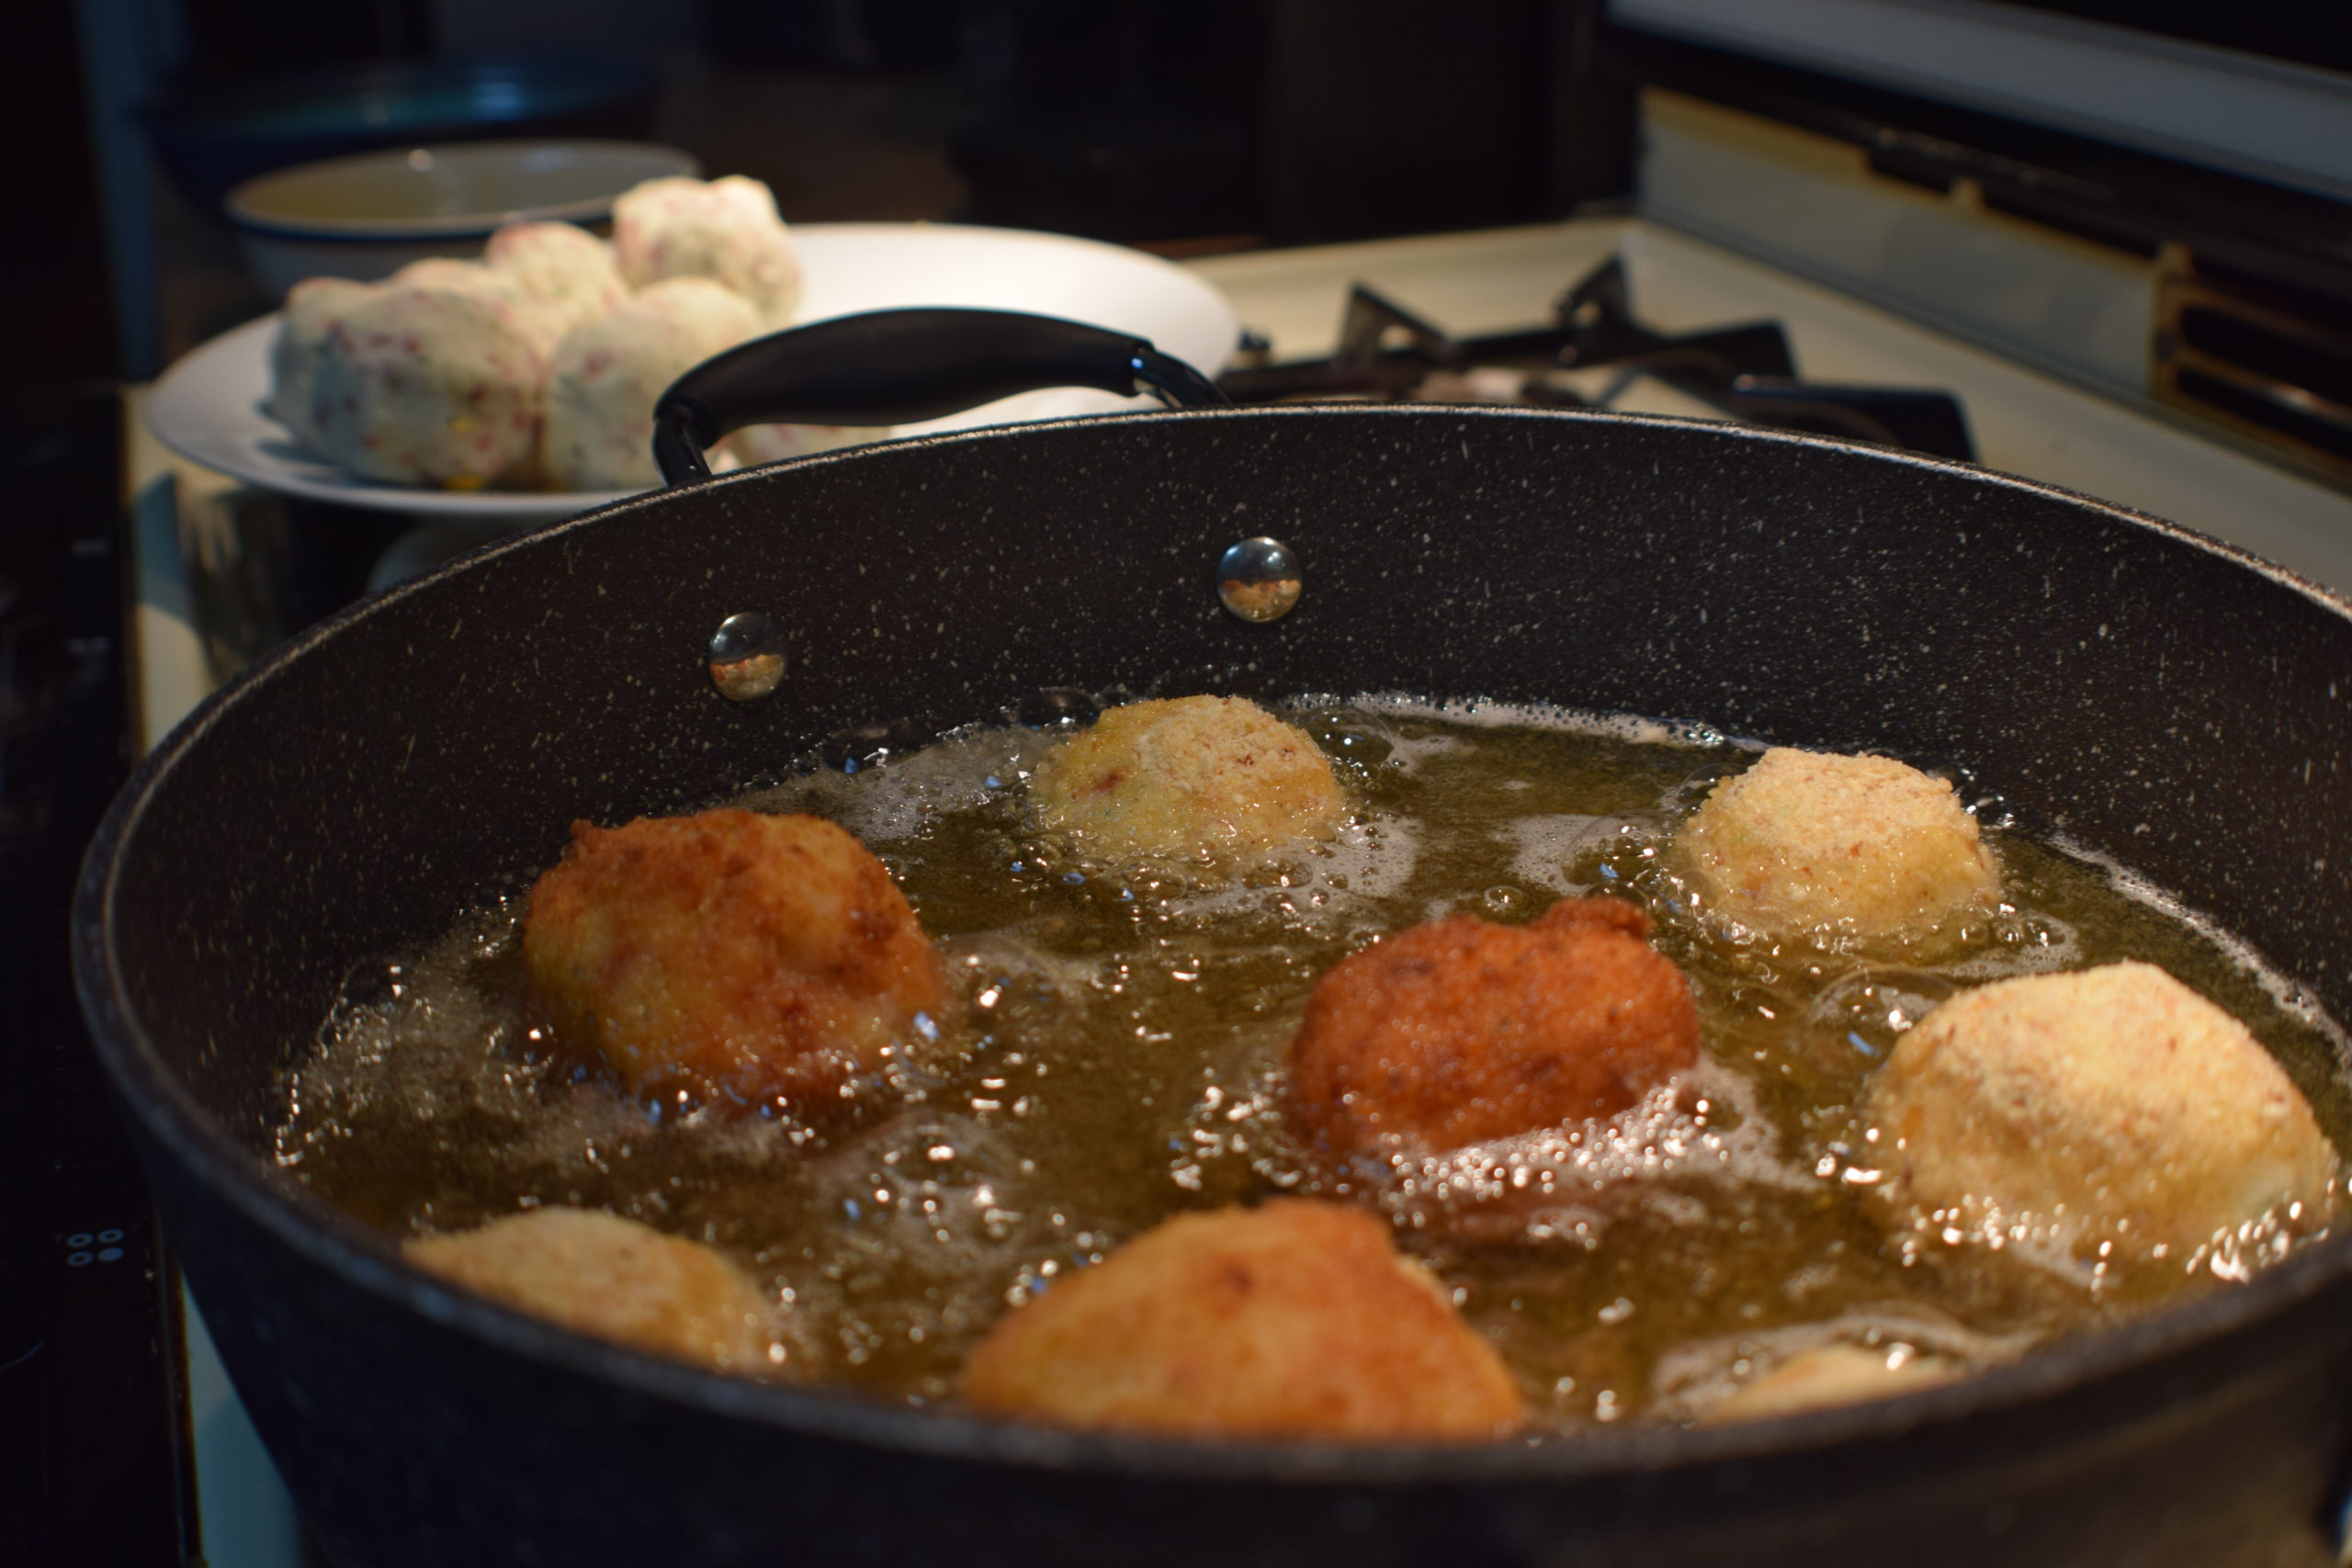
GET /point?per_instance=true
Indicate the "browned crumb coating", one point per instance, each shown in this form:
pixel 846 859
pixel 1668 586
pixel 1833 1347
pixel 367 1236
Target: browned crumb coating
pixel 613 1279
pixel 1295 1320
pixel 1463 1031
pixel 737 956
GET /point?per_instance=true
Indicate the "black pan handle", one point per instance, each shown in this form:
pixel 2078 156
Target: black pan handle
pixel 898 368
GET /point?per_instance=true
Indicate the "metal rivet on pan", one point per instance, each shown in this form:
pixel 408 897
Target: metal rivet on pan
pixel 747 657
pixel 1257 580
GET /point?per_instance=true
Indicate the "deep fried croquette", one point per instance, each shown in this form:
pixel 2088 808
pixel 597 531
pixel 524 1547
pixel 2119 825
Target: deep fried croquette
pixel 1832 1374
pixel 1214 781
pixel 730 956
pixel 612 1278
pixel 2115 1104
pixel 1812 844
pixel 1462 1031
pixel 1295 1320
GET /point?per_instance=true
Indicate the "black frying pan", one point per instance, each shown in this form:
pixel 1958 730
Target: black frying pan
pixel 2148 692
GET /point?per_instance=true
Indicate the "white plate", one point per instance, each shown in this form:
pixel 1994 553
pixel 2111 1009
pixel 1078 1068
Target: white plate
pixel 207 408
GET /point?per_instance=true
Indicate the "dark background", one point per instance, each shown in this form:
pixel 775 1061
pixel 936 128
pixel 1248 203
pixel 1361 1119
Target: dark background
pixel 1222 124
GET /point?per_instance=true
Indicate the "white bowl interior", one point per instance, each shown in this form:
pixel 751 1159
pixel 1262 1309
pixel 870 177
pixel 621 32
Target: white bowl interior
pixel 462 189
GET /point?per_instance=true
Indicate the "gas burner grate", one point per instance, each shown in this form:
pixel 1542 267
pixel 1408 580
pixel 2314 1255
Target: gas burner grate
pixel 1745 372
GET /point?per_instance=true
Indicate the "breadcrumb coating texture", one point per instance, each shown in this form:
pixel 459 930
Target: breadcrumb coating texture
pixel 1829 1375
pixel 562 266
pixel 2113 1104
pixel 1297 1319
pixel 1201 781
pixel 735 957
pixel 428 387
pixel 1463 1031
pixel 601 1275
pixel 312 307
pixel 608 374
pixel 1812 844
pixel 726 230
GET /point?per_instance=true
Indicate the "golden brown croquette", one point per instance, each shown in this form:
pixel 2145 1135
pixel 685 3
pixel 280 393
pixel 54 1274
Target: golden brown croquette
pixel 1811 845
pixel 2115 1104
pixel 1212 781
pixel 735 956
pixel 1295 1320
pixel 601 1275
pixel 1462 1031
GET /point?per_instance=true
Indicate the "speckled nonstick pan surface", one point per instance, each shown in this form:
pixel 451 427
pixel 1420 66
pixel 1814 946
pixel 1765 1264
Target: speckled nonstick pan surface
pixel 2152 693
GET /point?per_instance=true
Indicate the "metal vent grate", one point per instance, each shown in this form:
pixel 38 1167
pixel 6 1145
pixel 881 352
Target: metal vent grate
pixel 2258 363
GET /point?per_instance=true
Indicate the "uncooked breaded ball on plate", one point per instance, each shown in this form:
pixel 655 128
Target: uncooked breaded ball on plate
pixel 312 307
pixel 613 1279
pixel 774 443
pixel 735 958
pixel 562 266
pixel 1462 1031
pixel 1838 849
pixel 2115 1105
pixel 1298 1319
pixel 532 316
pixel 726 230
pixel 608 374
pixel 428 387
pixel 1198 781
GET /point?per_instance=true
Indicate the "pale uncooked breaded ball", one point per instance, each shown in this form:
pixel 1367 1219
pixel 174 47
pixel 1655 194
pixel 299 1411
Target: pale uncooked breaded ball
pixel 525 311
pixel 562 266
pixel 726 230
pixel 601 1275
pixel 1811 844
pixel 2112 1105
pixel 735 958
pixel 1463 1031
pixel 1833 1374
pixel 312 307
pixel 428 387
pixel 774 443
pixel 1205 781
pixel 608 374
pixel 1295 1320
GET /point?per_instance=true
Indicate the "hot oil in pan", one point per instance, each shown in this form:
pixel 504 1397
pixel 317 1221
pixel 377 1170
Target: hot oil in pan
pixel 1118 1055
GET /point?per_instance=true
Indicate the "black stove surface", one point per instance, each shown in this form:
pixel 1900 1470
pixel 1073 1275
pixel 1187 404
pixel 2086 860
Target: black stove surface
pixel 92 1409
pixel 1745 371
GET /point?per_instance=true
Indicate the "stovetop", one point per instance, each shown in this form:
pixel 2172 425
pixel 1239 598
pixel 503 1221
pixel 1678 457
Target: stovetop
pixel 1650 296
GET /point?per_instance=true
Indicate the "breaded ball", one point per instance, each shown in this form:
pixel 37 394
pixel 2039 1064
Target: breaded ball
pixel 730 956
pixel 562 266
pixel 1814 844
pixel 1462 1031
pixel 1206 780
pixel 2113 1104
pixel 725 230
pixel 428 387
pixel 533 317
pixel 608 374
pixel 612 1278
pixel 774 443
pixel 313 308
pixel 1832 1374
pixel 1293 1320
